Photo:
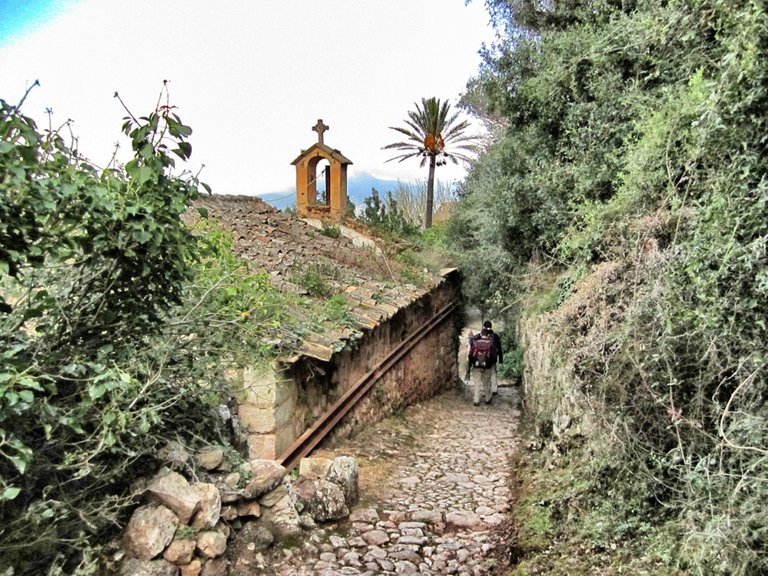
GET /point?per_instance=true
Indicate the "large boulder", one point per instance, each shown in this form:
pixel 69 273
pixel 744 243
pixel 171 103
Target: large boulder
pixel 149 531
pixel 282 518
pixel 323 500
pixel 173 491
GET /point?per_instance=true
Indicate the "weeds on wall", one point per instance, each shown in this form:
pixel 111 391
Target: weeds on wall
pixel 330 231
pixel 316 278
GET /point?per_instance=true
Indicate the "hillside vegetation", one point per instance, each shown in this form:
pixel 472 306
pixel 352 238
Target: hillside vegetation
pixel 621 222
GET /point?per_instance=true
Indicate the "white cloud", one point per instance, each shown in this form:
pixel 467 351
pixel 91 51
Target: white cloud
pixel 251 77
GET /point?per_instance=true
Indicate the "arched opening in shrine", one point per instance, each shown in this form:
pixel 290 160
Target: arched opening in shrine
pixel 321 179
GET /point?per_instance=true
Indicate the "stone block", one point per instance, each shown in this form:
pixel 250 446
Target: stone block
pixel 149 531
pixel 256 420
pixel 284 437
pixel 284 411
pixel 175 492
pixel 314 467
pixel 261 446
pixel 264 389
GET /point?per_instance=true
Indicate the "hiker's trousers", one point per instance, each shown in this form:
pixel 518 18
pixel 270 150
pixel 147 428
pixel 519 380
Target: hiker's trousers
pixel 483 384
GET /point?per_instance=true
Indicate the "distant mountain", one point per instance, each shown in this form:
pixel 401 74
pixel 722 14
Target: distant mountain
pixel 358 189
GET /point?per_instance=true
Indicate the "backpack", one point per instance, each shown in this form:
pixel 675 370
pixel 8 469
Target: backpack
pixel 483 352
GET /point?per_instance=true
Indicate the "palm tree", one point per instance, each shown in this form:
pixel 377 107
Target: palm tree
pixel 430 129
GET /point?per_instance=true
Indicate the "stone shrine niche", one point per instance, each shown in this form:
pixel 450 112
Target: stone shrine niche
pixel 321 163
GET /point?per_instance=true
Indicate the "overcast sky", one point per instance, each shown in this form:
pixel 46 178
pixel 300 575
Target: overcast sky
pixel 250 76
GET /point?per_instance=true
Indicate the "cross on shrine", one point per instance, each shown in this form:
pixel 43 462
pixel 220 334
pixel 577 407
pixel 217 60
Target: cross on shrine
pixel 320 128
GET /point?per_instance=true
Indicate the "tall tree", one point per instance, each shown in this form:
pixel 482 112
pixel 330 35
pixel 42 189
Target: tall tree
pixel 431 128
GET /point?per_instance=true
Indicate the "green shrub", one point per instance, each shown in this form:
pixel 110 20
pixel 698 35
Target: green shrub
pixel 330 231
pixel 315 277
pixel 94 266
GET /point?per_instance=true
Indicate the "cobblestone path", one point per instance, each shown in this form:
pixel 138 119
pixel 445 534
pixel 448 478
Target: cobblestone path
pixel 434 486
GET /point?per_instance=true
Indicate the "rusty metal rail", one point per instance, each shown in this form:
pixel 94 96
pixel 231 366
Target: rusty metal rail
pixel 305 443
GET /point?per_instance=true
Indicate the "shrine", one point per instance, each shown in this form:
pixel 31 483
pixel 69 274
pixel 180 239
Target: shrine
pixel 334 175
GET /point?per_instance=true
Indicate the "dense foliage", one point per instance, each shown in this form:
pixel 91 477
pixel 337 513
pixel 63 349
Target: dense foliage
pixel 117 322
pixel 91 261
pixel 636 135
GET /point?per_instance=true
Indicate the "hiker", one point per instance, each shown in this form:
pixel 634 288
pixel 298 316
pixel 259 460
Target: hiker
pixel 488 325
pixel 482 357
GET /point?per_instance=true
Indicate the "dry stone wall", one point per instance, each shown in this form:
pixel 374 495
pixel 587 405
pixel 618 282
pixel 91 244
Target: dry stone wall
pixel 277 406
pixel 564 348
pixel 429 367
pixel 215 524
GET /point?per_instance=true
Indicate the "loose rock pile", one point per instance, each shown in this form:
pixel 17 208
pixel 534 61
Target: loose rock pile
pixel 185 528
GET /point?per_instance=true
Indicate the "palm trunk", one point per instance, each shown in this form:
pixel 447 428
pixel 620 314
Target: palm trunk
pixel 430 194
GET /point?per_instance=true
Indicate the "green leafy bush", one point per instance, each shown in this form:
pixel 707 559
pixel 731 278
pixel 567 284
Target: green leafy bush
pixel 96 363
pixel 386 216
pixel 635 138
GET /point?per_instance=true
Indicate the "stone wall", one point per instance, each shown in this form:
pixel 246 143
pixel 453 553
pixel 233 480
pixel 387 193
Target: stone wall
pixel 266 408
pixel 429 367
pixel 564 350
pixel 221 521
pixel 278 405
